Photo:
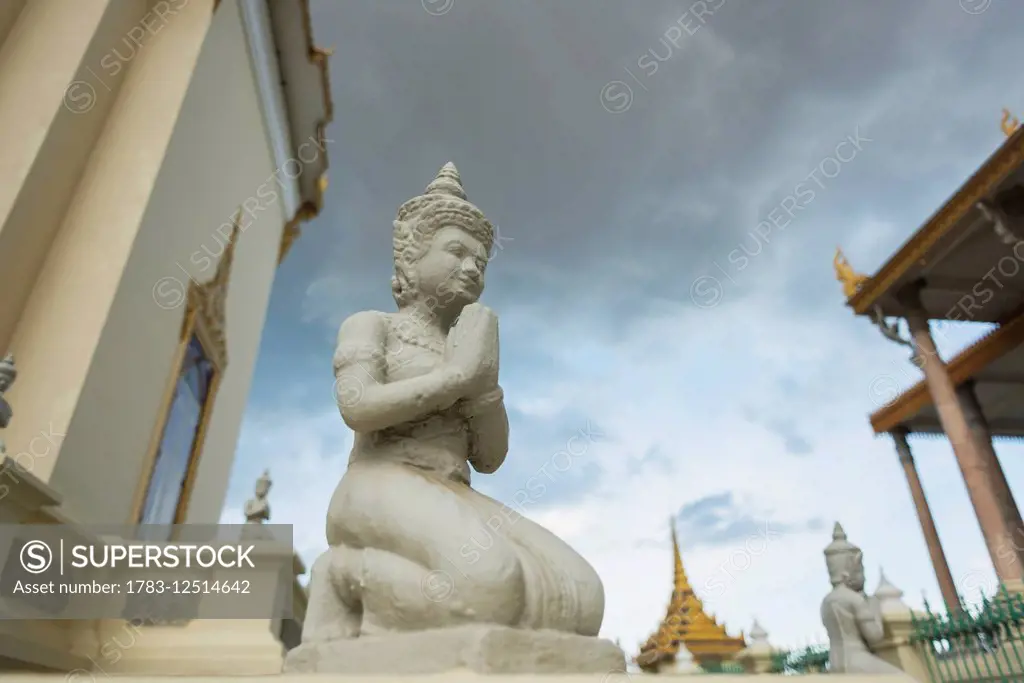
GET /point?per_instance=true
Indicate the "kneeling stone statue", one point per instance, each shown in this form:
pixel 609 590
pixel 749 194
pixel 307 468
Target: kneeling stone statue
pixel 397 591
pixel 852 619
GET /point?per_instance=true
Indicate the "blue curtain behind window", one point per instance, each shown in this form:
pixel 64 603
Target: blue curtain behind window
pixel 179 437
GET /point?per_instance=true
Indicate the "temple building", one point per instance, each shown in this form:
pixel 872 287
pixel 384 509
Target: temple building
pixel 964 264
pixel 687 638
pixel 159 158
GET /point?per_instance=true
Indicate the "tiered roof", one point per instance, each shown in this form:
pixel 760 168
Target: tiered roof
pixel 687 624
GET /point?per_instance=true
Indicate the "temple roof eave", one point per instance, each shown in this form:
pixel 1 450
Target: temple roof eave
pixel 939 236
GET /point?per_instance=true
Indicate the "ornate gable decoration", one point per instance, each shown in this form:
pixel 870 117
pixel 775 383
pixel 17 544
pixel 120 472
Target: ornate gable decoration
pixel 207 302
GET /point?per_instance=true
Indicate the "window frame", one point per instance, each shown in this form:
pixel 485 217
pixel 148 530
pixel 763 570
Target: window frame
pixel 205 320
pixel 193 327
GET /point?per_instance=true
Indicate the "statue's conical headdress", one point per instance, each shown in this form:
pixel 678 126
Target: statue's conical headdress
pixel 839 554
pixel 447 182
pixel 444 203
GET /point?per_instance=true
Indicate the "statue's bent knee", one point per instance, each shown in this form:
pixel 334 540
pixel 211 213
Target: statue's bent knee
pixel 494 588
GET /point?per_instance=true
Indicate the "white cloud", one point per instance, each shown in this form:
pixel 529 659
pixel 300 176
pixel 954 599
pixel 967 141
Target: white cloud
pixel 648 400
pixel 660 394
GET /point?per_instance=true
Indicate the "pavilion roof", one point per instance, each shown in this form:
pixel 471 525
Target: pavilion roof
pixel 957 252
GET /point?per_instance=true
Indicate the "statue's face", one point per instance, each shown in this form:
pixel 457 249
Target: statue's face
pixel 452 270
pixel 262 488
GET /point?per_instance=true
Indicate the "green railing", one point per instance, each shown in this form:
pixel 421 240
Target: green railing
pixel 982 643
pixel 723 668
pixel 809 660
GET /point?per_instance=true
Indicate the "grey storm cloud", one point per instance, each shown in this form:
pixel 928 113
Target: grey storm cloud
pixel 610 211
pixel 610 216
pixel 718 520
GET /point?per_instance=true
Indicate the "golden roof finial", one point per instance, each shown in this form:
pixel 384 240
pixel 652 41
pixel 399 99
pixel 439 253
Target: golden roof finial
pixel 851 279
pixel 1010 123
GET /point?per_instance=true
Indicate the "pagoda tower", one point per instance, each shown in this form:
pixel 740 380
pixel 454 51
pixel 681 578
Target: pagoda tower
pixel 687 625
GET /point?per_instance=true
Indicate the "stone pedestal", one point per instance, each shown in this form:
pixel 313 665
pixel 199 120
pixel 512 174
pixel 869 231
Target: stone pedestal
pixel 897 626
pixel 454 677
pixel 482 649
pixel 896 648
pixel 217 646
pixel 56 643
pixel 756 659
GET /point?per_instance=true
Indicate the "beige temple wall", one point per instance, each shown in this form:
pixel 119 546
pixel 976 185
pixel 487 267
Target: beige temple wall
pixel 47 143
pixel 218 157
pixel 9 10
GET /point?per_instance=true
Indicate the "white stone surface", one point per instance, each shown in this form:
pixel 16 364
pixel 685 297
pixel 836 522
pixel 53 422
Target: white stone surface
pixel 458 677
pixel 479 648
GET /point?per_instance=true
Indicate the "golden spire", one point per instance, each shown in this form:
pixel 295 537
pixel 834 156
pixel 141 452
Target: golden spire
pixel 1010 123
pixel 679 581
pixel 845 273
pixel 686 623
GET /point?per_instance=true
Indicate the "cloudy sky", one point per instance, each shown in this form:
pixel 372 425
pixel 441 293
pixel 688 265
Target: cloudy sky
pixel 664 280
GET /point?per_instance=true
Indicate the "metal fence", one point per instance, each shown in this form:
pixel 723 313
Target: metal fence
pixel 981 643
pixel 723 668
pixel 809 660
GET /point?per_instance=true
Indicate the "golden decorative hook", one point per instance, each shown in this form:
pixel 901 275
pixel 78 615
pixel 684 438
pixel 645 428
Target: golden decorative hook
pixel 845 273
pixel 1010 123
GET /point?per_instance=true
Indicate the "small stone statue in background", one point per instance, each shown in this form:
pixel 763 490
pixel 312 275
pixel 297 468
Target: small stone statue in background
pixel 8 373
pixel 257 510
pixel 852 619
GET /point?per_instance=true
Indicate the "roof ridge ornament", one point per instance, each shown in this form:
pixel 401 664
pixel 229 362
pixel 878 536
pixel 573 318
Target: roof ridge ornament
pixel 852 280
pixel 852 283
pixel 1009 123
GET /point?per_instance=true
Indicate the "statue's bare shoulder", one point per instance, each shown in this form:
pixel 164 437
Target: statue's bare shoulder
pixel 361 337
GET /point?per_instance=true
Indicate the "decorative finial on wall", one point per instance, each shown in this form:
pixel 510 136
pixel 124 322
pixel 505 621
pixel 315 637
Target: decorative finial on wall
pixel 889 596
pixel 758 636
